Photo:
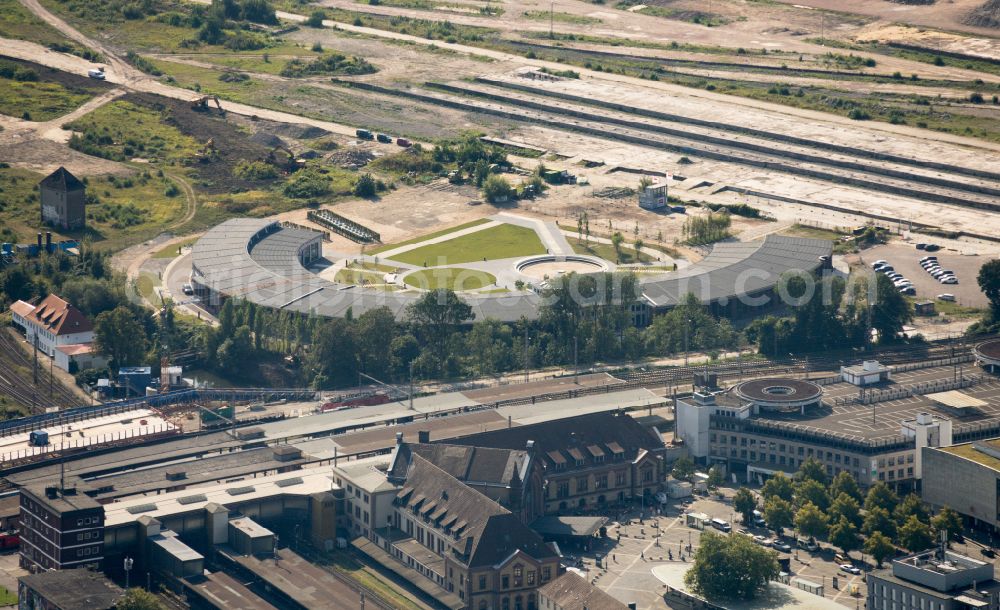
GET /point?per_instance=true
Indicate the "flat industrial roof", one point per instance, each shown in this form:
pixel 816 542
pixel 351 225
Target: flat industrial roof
pixel 841 418
pixel 989 458
pixel 196 471
pixel 298 482
pixel 85 464
pixel 176 548
pixel 75 589
pixel 224 591
pixel 257 259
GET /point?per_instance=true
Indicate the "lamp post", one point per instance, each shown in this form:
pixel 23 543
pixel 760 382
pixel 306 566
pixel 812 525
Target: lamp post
pixel 128 568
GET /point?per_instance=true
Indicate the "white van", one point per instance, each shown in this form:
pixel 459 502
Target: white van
pixel 721 525
pixel 97 73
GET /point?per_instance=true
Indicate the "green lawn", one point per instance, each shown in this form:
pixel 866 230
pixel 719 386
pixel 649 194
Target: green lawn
pixel 134 131
pixel 146 285
pixel 7 598
pixel 171 251
pixel 273 64
pixel 503 241
pixel 607 251
pixel 949 308
pixel 38 101
pixel 561 17
pixel 452 278
pixel 417 240
pixel 122 210
pixel 798 230
pixel 19 23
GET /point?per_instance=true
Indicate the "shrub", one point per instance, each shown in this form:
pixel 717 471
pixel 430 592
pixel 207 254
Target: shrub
pixel 365 186
pixel 142 63
pixel 234 77
pixel 171 190
pixel 307 184
pixel 334 64
pixel 976 97
pixel 496 188
pixel 255 170
pixel 858 114
pixel 243 41
pixel 315 20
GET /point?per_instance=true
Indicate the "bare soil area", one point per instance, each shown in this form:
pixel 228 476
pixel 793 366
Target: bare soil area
pixel 948 15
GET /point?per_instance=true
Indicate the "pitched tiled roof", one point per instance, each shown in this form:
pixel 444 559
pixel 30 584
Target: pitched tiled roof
pixel 573 592
pixel 59 317
pixel 473 464
pixel 62 180
pixel 606 432
pixel 480 531
pixel 22 308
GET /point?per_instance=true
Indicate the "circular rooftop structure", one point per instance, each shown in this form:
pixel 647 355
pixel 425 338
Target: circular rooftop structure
pixel 547 265
pixel 988 354
pixel 780 394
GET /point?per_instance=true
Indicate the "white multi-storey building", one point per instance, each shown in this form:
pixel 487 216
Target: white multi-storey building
pixel 54 322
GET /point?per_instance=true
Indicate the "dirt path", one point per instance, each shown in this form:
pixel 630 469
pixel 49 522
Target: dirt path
pixel 190 200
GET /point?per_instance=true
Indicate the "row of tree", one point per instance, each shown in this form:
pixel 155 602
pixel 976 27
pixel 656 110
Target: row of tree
pixel 585 319
pixel 819 507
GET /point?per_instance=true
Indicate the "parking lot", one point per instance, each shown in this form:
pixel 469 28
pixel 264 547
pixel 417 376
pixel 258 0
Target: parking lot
pixel 634 547
pixel 905 259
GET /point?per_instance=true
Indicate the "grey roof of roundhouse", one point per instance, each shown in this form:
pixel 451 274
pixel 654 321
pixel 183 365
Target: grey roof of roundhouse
pixel 738 268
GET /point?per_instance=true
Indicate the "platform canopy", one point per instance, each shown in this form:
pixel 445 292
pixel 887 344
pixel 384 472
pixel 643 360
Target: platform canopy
pixel 956 400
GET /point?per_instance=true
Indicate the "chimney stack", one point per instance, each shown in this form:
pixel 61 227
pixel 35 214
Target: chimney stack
pixel 399 438
pixel 48 241
pixel 39 242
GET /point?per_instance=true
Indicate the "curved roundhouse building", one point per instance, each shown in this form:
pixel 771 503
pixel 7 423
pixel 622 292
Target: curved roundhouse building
pixel 266 263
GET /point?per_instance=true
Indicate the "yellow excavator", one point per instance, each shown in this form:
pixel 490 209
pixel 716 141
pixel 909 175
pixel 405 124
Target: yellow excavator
pixel 201 103
pixel 288 164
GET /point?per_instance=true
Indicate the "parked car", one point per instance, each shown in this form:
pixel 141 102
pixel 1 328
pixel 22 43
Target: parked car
pixel 947 296
pixel 932 247
pixel 808 544
pixel 988 552
pixel 908 290
pixel 780 545
pixel 849 568
pixel 921 246
pixel 188 289
pixel 950 280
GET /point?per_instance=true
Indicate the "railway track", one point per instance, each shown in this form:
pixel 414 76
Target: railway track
pixel 794 366
pixel 933 185
pixel 714 142
pixel 16 380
